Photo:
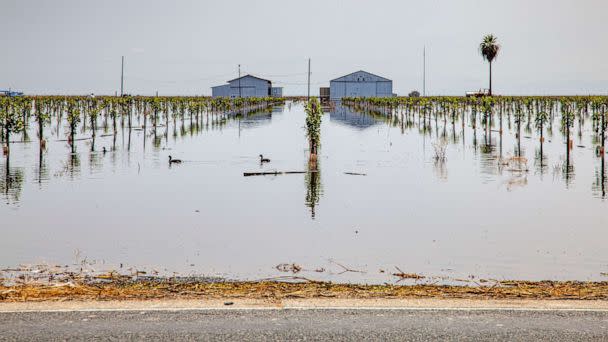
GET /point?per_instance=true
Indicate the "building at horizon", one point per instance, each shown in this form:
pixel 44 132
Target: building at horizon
pixel 247 86
pixel 360 84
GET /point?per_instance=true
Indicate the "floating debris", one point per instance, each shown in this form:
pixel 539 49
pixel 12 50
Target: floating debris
pixel 293 268
pixel 402 275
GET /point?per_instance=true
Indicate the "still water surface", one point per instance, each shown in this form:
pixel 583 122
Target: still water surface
pixel 464 217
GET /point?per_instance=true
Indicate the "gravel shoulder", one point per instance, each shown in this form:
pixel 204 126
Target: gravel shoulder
pixel 305 304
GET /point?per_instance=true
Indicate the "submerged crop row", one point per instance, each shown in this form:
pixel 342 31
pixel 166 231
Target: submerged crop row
pixel 580 117
pixel 18 113
pixel 534 112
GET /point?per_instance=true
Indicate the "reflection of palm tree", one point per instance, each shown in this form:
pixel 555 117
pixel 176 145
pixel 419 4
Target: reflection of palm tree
pixel 314 188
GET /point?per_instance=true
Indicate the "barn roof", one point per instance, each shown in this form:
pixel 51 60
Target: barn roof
pixel 378 78
pixel 259 78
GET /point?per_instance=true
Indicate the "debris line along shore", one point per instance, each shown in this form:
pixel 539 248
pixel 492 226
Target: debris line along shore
pixel 122 289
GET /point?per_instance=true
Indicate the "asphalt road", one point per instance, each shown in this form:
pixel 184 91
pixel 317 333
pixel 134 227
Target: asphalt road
pixel 312 324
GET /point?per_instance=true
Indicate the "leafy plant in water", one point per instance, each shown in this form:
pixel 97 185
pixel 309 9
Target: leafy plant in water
pixel 11 119
pixel 314 113
pixel 541 120
pixel 73 118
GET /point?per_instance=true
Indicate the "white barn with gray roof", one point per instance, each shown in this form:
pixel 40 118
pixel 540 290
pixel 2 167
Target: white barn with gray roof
pixel 360 84
pixel 247 86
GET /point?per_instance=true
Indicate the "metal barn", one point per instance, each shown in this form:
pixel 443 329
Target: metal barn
pixel 246 86
pixel 360 84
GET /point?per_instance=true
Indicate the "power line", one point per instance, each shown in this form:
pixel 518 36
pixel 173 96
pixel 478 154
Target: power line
pixel 280 75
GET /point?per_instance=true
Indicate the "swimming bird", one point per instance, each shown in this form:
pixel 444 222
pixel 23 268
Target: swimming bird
pixel 174 161
pixel 104 150
pixel 264 160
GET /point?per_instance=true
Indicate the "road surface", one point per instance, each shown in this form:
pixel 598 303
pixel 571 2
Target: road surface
pixel 242 324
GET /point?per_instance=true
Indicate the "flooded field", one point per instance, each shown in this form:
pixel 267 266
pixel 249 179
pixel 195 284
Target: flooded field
pixel 401 195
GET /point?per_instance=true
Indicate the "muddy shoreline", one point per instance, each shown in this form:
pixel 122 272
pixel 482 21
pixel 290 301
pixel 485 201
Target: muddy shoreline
pixel 282 290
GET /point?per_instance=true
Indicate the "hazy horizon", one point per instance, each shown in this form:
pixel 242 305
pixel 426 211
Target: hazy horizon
pixel 185 47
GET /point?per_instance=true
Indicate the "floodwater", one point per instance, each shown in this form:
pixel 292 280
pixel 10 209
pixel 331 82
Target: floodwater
pixel 467 216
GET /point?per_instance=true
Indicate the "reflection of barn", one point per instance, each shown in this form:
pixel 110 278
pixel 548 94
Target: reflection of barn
pixel 360 84
pixel 346 116
pixel 258 118
pixel 247 86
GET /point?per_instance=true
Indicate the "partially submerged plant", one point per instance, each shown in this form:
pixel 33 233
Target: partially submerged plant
pixel 314 114
pixel 11 119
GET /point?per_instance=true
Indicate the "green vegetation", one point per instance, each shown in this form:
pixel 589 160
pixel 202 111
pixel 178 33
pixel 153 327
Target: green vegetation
pixel 526 111
pixel 83 111
pixel 11 120
pixel 314 114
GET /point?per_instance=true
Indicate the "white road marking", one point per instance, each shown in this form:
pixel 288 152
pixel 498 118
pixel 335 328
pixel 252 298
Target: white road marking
pixel 306 308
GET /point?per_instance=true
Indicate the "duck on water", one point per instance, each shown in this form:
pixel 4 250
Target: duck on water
pixel 264 160
pixel 174 161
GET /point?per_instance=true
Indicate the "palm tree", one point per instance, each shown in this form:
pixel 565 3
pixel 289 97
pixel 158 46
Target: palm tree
pixel 489 49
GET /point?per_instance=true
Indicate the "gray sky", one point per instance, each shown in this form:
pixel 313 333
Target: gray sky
pixel 184 47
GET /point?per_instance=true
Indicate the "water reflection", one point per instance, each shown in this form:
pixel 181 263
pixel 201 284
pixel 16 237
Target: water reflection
pixel 11 183
pixel 599 184
pixel 347 116
pixel 540 161
pixel 402 184
pixel 70 168
pixel 314 187
pixel 481 127
pixel 568 168
pixel 42 171
pixel 256 119
pixel 95 161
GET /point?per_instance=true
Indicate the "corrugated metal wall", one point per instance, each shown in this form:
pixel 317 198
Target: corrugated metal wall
pixel 221 91
pixel 360 84
pixel 249 87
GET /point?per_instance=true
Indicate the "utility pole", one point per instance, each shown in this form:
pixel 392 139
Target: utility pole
pixel 308 96
pixel 239 80
pixel 424 71
pixel 122 75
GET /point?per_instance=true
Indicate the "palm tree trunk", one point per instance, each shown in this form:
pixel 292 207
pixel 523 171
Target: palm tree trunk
pixel 490 78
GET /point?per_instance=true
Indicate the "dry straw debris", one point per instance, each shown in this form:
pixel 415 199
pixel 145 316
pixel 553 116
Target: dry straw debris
pixel 121 289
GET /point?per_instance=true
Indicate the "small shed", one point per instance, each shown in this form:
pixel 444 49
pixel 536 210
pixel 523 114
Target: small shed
pixel 276 91
pixel 360 84
pixel 324 94
pixel 246 86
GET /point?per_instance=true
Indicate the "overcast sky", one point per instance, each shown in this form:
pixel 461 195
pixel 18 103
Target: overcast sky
pixel 185 47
